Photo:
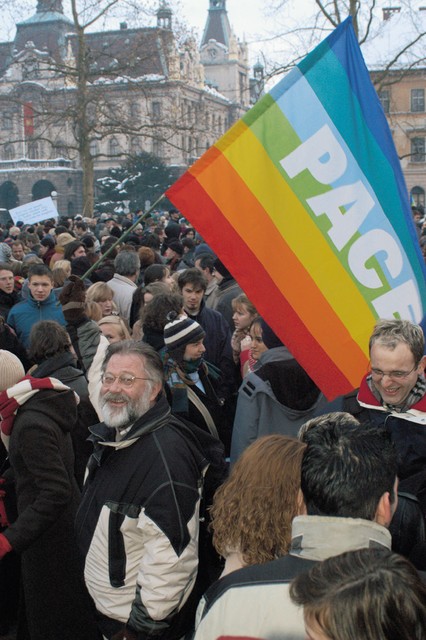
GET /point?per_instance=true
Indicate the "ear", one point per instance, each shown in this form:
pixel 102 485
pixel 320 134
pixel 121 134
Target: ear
pixel 156 388
pixel 301 506
pixel 384 511
pixel 422 365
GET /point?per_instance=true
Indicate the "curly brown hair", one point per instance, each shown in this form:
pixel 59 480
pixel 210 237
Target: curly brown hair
pixel 253 510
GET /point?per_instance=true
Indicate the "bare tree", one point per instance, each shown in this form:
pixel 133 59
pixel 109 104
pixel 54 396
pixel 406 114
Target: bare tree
pixel 98 90
pixel 301 31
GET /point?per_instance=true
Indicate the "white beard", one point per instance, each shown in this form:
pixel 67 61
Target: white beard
pixel 120 417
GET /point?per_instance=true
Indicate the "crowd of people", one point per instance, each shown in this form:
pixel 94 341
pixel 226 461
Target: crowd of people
pixel 169 470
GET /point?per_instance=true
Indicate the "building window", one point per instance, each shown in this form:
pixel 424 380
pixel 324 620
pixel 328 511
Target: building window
pixel 157 148
pixel 417 150
pixel 135 146
pixel 33 150
pixel 60 149
pixel 156 110
pixel 94 148
pixel 114 147
pixel 417 100
pixel 8 152
pixel 7 122
pixel 384 97
pixel 417 196
pixel 134 110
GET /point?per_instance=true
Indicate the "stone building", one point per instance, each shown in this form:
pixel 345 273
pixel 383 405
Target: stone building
pixel 402 88
pixel 72 106
pixel 403 100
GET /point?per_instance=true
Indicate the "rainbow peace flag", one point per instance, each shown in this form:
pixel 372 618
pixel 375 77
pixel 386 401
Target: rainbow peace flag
pixel 304 201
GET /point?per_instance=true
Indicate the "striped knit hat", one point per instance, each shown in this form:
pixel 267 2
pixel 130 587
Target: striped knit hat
pixel 181 331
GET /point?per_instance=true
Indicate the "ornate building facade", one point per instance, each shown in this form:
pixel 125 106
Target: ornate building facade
pixel 74 104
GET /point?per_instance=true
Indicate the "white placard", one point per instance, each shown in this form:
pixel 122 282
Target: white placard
pixel 42 209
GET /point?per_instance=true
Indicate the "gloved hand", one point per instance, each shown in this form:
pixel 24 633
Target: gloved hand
pixel 125 634
pixel 5 547
pixel 4 522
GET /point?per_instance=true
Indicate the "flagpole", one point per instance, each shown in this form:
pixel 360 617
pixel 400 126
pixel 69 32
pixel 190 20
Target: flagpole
pixel 123 235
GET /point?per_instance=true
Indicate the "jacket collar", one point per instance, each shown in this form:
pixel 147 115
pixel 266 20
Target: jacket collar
pixel 320 537
pixel 154 418
pixel 366 399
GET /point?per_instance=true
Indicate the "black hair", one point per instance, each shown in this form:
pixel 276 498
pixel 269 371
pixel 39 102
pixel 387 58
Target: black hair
pixel 192 276
pixel 346 469
pixel 368 593
pixel 40 270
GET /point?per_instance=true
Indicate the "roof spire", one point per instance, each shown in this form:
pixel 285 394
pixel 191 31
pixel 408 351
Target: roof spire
pixel 48 6
pixel 217 26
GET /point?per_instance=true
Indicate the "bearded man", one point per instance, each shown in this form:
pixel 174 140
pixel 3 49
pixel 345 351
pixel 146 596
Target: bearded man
pixel 138 522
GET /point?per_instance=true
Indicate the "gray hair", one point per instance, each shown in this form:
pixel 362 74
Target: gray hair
pixel 148 356
pixel 127 263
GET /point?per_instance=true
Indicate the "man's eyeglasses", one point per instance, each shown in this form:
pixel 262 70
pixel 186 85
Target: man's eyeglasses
pixel 124 379
pixel 396 375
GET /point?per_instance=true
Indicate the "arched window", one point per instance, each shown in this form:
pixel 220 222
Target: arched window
pixel 135 146
pixel 418 196
pixel 42 189
pixel 114 147
pixel 9 195
pixel 94 148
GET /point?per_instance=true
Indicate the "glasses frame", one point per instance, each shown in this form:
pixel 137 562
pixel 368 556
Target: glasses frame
pixel 126 385
pixel 395 375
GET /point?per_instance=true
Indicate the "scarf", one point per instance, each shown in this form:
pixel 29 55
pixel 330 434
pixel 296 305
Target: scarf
pixel 177 378
pixel 416 394
pixel 14 397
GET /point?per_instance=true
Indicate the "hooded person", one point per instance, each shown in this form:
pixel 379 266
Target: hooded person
pixel 228 289
pixel 191 383
pixel 277 397
pixel 37 417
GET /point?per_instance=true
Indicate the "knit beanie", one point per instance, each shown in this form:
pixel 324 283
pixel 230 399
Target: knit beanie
pixel 176 246
pixel 11 370
pixel 181 331
pixel 270 338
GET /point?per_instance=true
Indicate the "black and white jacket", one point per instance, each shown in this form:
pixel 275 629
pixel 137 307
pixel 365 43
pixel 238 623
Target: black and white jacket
pixel 138 523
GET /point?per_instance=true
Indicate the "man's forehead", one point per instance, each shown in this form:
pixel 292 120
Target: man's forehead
pixel 5 273
pixel 191 288
pixel 40 279
pixel 400 349
pixel 125 362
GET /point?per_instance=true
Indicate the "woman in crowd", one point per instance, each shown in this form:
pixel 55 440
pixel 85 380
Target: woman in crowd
pixel 50 349
pixel 191 383
pixel 369 593
pixel 155 311
pixel 244 314
pixel 158 273
pixel 257 346
pixel 253 510
pixel 102 293
pixel 114 329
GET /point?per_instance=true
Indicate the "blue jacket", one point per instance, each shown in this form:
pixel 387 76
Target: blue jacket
pixel 25 314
